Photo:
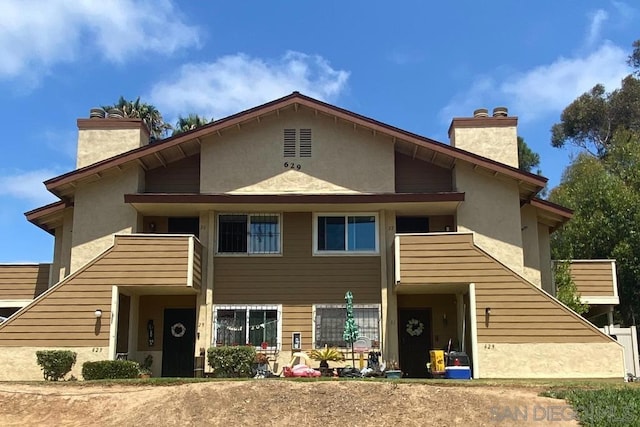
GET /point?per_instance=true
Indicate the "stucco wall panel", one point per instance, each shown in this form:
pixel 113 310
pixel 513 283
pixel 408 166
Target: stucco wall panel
pixel 497 143
pixel 491 210
pixel 100 212
pixel 546 360
pixel 24 367
pixel 530 244
pixel 250 159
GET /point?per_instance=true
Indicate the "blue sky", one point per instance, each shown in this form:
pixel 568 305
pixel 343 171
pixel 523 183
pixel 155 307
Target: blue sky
pixel 411 64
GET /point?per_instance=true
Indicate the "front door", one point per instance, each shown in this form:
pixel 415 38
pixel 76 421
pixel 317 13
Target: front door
pixel 178 342
pixel 414 334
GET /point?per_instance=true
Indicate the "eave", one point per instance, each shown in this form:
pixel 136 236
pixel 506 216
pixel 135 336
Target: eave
pixel 48 217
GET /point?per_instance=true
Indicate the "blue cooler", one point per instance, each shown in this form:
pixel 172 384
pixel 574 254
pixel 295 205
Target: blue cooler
pixel 457 372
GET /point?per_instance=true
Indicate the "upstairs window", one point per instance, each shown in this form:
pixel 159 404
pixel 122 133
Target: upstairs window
pixel 249 233
pixel 346 233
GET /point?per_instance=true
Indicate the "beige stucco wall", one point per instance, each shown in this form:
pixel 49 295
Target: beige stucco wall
pixel 23 365
pixel 100 212
pixel 530 246
pixel 491 210
pixel 99 144
pixel 497 143
pixel 544 245
pixel 250 159
pixel 551 360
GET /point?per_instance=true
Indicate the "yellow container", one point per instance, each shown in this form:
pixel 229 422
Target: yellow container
pixel 437 361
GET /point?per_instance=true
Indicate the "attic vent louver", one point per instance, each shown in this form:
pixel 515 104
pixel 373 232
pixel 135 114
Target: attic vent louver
pixel 305 142
pixel 289 143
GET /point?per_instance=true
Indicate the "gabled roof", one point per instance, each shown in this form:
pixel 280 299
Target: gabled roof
pixel 61 184
pixel 47 217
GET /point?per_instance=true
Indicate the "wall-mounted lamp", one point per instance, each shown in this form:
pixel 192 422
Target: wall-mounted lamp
pixel 447 228
pixel 98 313
pixel 152 226
pixel 444 319
pixel 487 311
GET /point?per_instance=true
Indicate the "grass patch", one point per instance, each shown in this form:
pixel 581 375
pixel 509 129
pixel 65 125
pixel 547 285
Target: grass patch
pixel 609 406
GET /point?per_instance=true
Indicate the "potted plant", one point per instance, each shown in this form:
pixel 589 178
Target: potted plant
pixel 145 367
pixel 393 370
pixel 324 356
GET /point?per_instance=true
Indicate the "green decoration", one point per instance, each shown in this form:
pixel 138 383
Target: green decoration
pixel 350 333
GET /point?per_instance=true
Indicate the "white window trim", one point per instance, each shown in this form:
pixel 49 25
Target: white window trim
pixel 247 307
pixel 346 252
pixel 248 253
pixel 316 306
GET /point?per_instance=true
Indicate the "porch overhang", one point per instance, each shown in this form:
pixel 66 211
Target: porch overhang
pixel 190 203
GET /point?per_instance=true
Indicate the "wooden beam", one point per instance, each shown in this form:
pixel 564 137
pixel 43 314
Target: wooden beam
pixel 415 151
pixel 181 151
pixel 159 156
pixel 295 106
pixel 435 153
pixel 200 142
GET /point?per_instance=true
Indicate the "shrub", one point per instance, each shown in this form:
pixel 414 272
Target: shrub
pixel 55 364
pixel 231 362
pixel 110 369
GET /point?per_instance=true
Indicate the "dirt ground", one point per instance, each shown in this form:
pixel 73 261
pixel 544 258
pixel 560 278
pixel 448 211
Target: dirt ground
pixel 278 403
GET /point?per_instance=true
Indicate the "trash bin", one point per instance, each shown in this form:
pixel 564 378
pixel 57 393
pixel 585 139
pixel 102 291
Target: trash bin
pixel 198 367
pixel 437 362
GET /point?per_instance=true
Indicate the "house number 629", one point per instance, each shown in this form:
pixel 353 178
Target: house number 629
pixel 292 165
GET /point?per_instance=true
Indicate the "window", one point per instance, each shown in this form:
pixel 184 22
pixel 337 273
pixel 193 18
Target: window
pixel 249 233
pixel 346 233
pixel 242 325
pixel 330 319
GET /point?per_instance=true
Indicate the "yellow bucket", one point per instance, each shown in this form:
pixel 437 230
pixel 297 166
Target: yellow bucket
pixel 437 361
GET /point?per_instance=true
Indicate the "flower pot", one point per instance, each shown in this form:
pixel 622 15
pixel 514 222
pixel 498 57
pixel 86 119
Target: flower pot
pixel 393 373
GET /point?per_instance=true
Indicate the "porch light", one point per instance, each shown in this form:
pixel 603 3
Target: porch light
pixel 98 313
pixel 487 311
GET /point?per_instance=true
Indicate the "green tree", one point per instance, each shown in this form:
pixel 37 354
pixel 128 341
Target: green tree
pixel 590 121
pixel 191 122
pixel 566 290
pixel 139 110
pixel 634 58
pixel 527 158
pixel 605 197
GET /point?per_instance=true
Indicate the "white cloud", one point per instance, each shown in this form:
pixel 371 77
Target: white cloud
pixel 37 35
pixel 544 89
pixel 28 186
pixel 595 27
pixel 235 82
pixel 64 142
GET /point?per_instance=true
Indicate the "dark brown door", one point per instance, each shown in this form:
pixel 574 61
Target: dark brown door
pixel 178 342
pixel 414 336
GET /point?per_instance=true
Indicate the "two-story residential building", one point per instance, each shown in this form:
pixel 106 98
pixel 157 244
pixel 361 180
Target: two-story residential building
pixel 252 228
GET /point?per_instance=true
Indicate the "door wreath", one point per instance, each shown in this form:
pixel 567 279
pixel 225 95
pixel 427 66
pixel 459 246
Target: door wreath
pixel 415 327
pixel 178 330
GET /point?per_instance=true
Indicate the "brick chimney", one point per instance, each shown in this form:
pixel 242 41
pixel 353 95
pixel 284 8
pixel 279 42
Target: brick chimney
pixel 493 137
pixel 101 137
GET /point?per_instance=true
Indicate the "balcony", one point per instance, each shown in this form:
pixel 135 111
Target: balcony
pixel 437 258
pixel 596 281
pixel 154 260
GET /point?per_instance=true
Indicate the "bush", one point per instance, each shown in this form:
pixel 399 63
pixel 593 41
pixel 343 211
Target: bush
pixel 110 369
pixel 55 364
pixel 231 362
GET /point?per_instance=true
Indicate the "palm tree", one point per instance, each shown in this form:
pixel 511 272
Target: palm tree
pixel 191 122
pixel 140 110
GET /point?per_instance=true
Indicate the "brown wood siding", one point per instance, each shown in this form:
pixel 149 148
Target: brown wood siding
pixel 23 281
pixel 296 277
pixel 520 312
pixel 297 318
pixel 64 316
pixel 593 278
pixel 182 176
pixel 418 176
